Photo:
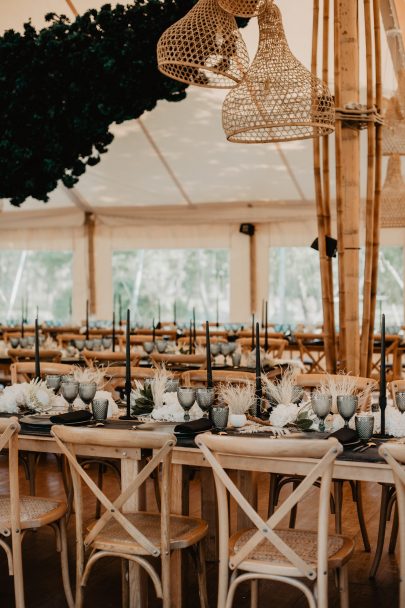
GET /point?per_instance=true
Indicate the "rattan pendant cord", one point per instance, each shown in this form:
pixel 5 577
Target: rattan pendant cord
pixel 204 48
pixel 278 99
pixel 243 8
pixel 393 195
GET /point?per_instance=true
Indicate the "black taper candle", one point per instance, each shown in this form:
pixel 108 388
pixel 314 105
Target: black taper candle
pixel 191 339
pixel 253 331
pixel 113 332
pixel 87 319
pixel 217 313
pixel 262 313
pixel 208 351
pixel 159 324
pixel 119 310
pixel 258 392
pixel 128 364
pixel 266 330
pixel 194 331
pixel 153 331
pixel 383 377
pixel 22 324
pixel 174 313
pixel 36 343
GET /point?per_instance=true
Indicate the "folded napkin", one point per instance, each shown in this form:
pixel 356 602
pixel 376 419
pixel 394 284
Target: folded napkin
pixel 194 426
pixel 71 417
pixel 345 435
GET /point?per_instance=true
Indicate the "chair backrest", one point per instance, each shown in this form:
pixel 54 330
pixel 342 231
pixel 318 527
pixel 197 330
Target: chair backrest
pixel 115 377
pixel 324 453
pixel 396 386
pixel 129 444
pixel 201 340
pixel 199 377
pixel 158 358
pixel 107 357
pixel 64 339
pixel 28 354
pixel 362 385
pixel 24 371
pixel 276 346
pixel 391 354
pixel 312 351
pixel 138 339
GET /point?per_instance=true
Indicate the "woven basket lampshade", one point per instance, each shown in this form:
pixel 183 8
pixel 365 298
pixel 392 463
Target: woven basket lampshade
pixel 204 48
pixel 394 128
pixel 243 8
pixel 393 195
pixel 278 99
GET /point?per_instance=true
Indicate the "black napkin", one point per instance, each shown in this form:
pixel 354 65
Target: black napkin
pixel 345 435
pixel 71 417
pixel 193 427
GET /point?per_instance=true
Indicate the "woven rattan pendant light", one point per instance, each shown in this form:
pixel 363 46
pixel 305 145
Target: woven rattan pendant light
pixel 278 99
pixel 393 195
pixel 394 128
pixel 204 48
pixel 243 8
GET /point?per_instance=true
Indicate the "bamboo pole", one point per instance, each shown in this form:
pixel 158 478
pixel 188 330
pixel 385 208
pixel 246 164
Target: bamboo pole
pixel 378 179
pixel 322 219
pixel 339 191
pixel 350 161
pixel 253 271
pixel 90 228
pixel 369 259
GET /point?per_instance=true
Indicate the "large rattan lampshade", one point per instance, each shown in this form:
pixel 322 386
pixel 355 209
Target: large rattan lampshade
pixel 204 48
pixel 393 195
pixel 243 8
pixel 278 99
pixel 394 128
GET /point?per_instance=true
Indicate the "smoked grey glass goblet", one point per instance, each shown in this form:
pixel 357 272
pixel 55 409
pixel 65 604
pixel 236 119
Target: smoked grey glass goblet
pixel 87 391
pixel 53 381
pixel 23 342
pixel 107 343
pixel 69 391
pixel 322 405
pixel 148 347
pixel 161 346
pixel 79 345
pixel 400 401
pixel 97 343
pixel 89 344
pixel 205 399
pixel 186 397
pixel 347 406
pixel 225 350
pixel 215 350
pixel 14 342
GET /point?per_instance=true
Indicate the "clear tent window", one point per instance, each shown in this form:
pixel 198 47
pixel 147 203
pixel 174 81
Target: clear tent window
pixel 143 279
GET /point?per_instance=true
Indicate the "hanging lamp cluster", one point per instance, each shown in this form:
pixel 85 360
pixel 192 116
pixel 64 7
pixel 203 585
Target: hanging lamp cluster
pixel 275 99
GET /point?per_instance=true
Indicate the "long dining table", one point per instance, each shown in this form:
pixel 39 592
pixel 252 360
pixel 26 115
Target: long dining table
pixel 356 470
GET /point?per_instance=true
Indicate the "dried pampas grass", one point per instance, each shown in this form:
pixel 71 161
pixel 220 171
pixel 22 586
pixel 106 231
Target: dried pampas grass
pixel 158 386
pixel 239 398
pixel 90 375
pixel 344 384
pixel 285 390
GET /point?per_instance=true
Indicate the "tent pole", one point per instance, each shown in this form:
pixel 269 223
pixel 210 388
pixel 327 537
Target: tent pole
pixel 91 262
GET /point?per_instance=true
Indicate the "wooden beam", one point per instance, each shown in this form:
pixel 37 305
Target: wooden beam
pixel 393 16
pixel 253 272
pixel 91 262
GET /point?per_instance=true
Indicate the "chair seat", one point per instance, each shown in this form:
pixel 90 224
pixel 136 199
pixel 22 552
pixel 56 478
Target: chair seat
pixel 34 511
pixel 185 532
pixel 303 542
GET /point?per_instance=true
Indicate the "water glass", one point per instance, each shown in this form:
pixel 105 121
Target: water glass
pixel 79 344
pixel 53 381
pixel 23 342
pixel 89 344
pixel 186 397
pixel 107 343
pixel 347 405
pixel 364 426
pixel 400 401
pixel 69 391
pixel 148 347
pixel 215 349
pixel 161 346
pixel 14 342
pixel 236 359
pixel 97 344
pixel 172 384
pixel 219 416
pixel 205 399
pixel 87 391
pixel 322 405
pixel 100 409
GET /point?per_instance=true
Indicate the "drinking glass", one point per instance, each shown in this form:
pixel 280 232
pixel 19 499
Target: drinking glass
pixel 87 391
pixel 161 346
pixel 321 404
pixel 100 409
pixel 205 399
pixel 89 344
pixel 364 426
pixel 148 347
pixel 186 397
pixel 30 341
pixel 97 343
pixel 347 405
pixel 70 390
pixel 79 345
pixel 53 381
pixel 215 350
pixel 14 342
pixel 172 385
pixel 400 401
pixel 219 416
pixel 107 343
pixel 23 342
pixel 225 350
pixel 236 359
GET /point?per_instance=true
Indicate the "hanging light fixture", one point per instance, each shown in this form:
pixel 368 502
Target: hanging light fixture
pixel 278 99
pixel 243 8
pixel 394 128
pixel 204 48
pixel 393 195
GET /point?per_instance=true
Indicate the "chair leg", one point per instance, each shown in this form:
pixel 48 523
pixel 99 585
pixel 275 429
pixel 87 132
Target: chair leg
pixel 344 587
pixel 100 475
pixel 394 532
pixel 338 487
pixel 65 563
pixel 199 556
pixel 385 497
pixel 124 583
pixel 273 493
pixel 360 515
pixel 254 593
pixel 32 466
pixel 293 512
pixel 17 569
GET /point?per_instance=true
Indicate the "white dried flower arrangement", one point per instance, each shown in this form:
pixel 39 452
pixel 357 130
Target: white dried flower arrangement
pixel 344 384
pixel 94 375
pixel 285 390
pixel 239 398
pixel 158 386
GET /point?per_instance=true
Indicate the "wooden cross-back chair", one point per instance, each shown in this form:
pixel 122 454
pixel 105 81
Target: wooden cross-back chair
pixel 65 339
pixel 168 360
pixel 28 354
pixel 137 339
pixel 392 356
pixel 276 346
pixel 21 513
pixel 115 377
pixel 131 535
pixel 312 351
pixel 247 333
pixel 199 377
pixel 201 340
pixel 394 454
pixel 265 551
pixel 107 357
pixel 396 386
pixel 24 371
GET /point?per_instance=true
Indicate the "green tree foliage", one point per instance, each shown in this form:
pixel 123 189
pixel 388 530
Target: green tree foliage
pixel 63 86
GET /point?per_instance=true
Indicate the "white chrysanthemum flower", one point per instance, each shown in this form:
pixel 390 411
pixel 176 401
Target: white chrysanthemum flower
pixel 284 414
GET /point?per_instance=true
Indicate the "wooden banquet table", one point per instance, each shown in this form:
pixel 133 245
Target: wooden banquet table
pixel 360 470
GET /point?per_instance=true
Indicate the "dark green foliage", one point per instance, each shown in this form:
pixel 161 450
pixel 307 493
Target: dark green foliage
pixel 144 404
pixel 62 87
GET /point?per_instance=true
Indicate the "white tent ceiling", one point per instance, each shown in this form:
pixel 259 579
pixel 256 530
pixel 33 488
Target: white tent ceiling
pixel 178 155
